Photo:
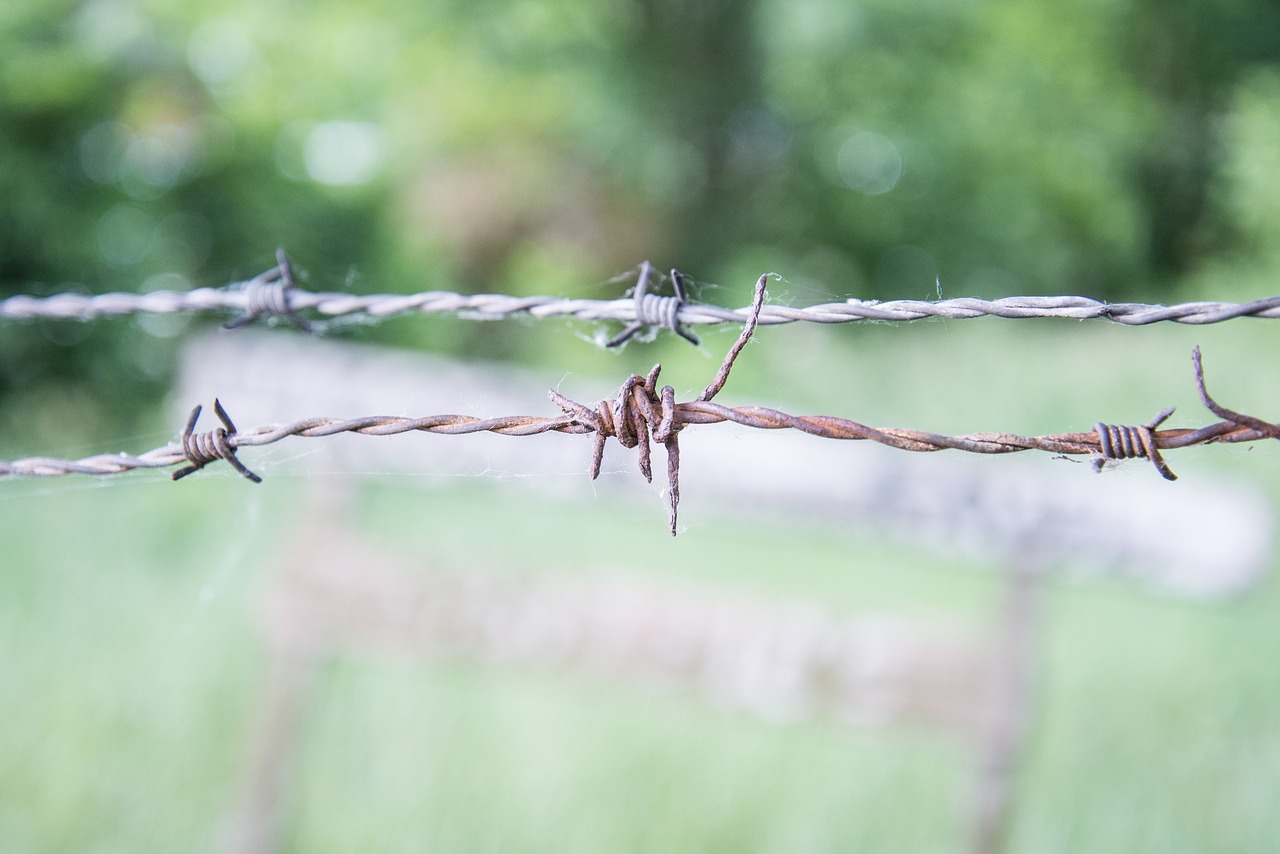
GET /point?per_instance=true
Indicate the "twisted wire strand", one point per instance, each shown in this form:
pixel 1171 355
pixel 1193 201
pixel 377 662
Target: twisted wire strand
pixel 683 415
pixel 249 300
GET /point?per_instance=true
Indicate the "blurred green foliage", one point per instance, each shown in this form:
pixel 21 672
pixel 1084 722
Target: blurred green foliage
pixel 141 669
pixel 883 149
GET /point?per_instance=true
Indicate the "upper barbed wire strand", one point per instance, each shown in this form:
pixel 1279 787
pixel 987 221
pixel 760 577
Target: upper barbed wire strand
pixel 239 298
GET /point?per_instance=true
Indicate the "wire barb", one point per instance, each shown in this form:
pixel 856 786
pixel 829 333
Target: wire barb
pixel 653 310
pixel 1266 428
pixel 722 375
pixel 1137 442
pixel 268 294
pixel 200 449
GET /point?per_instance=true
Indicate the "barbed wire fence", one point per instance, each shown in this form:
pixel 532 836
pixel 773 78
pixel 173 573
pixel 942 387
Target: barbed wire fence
pixel 275 294
pixel 640 413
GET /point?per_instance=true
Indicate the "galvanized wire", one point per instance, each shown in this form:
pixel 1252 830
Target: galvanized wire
pixel 274 293
pixel 642 413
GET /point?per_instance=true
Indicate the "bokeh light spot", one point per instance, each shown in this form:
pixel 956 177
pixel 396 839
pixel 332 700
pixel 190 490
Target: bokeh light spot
pixel 870 163
pixel 125 235
pixel 343 153
pixel 219 51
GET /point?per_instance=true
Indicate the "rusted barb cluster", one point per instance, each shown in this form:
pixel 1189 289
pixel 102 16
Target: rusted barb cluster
pixel 641 413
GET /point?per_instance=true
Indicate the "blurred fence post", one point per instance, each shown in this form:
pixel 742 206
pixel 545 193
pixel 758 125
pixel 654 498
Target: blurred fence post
pixel 1012 706
pixel 255 826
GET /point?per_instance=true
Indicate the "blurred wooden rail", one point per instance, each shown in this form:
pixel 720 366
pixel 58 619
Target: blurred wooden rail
pixel 337 595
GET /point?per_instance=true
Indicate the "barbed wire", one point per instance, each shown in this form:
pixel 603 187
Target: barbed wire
pixel 274 293
pixel 641 414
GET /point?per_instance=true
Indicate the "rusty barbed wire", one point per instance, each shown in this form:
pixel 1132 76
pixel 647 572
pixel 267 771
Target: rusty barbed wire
pixel 200 449
pixel 1117 442
pixel 641 414
pixel 274 294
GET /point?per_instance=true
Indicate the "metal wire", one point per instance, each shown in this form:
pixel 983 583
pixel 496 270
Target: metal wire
pixel 653 310
pixel 641 413
pixel 249 300
pixel 270 294
pixel 200 449
pixel 1122 443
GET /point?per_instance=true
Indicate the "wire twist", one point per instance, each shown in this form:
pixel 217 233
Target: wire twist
pixel 653 310
pixel 268 294
pixel 200 449
pixel 1117 442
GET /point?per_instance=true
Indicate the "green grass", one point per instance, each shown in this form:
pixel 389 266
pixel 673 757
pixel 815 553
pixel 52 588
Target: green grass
pixel 132 668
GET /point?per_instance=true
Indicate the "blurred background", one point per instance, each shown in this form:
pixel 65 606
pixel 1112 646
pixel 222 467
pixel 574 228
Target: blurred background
pixel 932 148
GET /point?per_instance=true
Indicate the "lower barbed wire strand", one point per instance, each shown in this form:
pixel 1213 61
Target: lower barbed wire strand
pixel 685 415
pixel 663 424
pixel 660 417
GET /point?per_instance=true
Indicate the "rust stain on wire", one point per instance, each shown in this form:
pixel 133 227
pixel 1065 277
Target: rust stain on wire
pixel 641 414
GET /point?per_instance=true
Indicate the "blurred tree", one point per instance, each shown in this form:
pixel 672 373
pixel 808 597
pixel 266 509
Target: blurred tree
pixel 874 149
pixel 1190 59
pixel 701 66
pixel 121 171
